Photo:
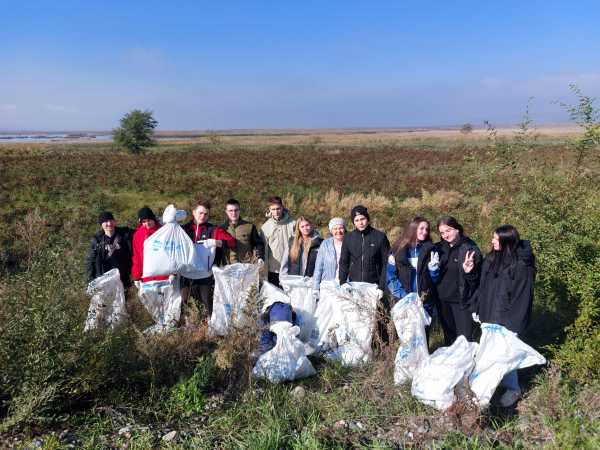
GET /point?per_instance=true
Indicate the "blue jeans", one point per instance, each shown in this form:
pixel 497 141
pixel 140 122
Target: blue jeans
pixel 511 381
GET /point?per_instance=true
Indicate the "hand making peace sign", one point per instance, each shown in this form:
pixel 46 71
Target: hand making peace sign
pixel 469 262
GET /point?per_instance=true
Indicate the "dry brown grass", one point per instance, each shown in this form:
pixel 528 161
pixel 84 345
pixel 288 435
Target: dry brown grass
pixel 442 200
pixel 334 204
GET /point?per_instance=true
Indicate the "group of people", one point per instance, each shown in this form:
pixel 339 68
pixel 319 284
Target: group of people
pixel 451 277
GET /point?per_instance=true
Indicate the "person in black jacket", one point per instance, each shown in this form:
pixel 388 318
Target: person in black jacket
pixel 460 267
pixel 364 252
pixel 413 265
pixel 505 293
pixel 300 256
pixel 110 249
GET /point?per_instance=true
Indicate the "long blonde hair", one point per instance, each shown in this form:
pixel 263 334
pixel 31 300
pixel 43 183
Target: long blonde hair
pixel 298 241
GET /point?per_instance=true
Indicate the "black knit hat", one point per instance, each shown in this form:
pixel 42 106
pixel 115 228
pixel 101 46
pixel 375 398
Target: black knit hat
pixel 359 210
pixel 146 213
pixel 105 216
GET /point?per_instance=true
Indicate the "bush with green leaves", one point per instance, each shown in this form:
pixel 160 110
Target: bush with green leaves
pixel 136 131
pixel 189 395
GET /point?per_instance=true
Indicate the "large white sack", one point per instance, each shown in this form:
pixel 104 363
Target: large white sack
pixel 410 319
pixel 202 260
pixel 272 294
pixel 500 351
pixel 287 360
pixel 434 381
pixel 232 289
pixel 162 299
pixel 345 319
pixel 300 291
pixel 107 305
pixel 169 250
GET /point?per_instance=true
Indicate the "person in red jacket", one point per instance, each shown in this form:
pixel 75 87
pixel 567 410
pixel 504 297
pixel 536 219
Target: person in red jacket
pixel 147 226
pixel 200 230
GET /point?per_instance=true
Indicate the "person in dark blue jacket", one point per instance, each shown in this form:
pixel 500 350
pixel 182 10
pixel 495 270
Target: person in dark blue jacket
pixel 413 265
pixel 276 312
pixel 505 293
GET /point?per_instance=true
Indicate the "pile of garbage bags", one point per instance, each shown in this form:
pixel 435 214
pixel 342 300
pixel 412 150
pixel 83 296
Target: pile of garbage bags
pixel 480 365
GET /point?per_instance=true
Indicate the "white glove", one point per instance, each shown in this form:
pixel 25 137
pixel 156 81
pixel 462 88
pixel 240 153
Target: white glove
pixel 138 284
pixel 475 317
pixel 434 262
pixel 211 243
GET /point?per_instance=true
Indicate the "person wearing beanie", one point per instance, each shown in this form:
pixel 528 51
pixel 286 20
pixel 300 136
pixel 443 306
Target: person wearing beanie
pixel 276 233
pixel 328 257
pixel 110 248
pixel 148 225
pixel 364 251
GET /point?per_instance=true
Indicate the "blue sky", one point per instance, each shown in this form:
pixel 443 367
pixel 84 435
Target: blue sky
pixel 217 65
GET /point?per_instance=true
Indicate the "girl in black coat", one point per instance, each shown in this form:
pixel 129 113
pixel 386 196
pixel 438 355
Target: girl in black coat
pixel 505 294
pixel 460 265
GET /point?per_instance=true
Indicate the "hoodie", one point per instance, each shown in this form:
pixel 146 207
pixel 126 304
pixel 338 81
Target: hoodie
pixel 276 235
pixel 506 298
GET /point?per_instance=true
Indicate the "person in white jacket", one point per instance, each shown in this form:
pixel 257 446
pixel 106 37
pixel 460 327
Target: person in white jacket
pixel 276 233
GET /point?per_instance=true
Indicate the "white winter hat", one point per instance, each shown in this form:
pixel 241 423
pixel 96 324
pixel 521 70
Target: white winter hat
pixel 335 222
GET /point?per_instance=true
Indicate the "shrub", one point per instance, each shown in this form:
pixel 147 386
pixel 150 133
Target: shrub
pixel 188 396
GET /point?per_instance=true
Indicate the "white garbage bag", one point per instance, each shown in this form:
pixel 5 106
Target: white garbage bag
pixel 500 351
pixel 434 381
pixel 202 261
pixel 345 320
pixel 287 360
pixel 233 285
pixel 270 294
pixel 107 305
pixel 169 250
pixel 410 320
pixel 300 291
pixel 162 299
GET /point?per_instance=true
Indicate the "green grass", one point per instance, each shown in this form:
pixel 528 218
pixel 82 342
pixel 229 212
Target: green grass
pixel 52 377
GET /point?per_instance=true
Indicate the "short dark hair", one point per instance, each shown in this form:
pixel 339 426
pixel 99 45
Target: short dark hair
pixel 233 201
pixel 275 200
pixel 450 222
pixel 204 203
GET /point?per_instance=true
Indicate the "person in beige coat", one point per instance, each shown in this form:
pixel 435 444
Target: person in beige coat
pixel 276 233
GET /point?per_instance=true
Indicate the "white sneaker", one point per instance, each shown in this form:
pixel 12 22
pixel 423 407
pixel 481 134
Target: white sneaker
pixel 510 397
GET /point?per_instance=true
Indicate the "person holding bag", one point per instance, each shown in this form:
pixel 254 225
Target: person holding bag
pixel 413 265
pixel 505 293
pixel 209 241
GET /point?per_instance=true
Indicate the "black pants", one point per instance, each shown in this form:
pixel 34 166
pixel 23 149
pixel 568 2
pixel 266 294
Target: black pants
pixel 273 278
pixel 202 291
pixel 456 321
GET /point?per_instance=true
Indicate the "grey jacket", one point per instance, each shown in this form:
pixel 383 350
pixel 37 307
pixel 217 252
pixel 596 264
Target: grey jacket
pixel 326 265
pixel 276 235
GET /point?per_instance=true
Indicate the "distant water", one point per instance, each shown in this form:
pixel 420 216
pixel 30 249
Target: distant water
pixel 53 137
